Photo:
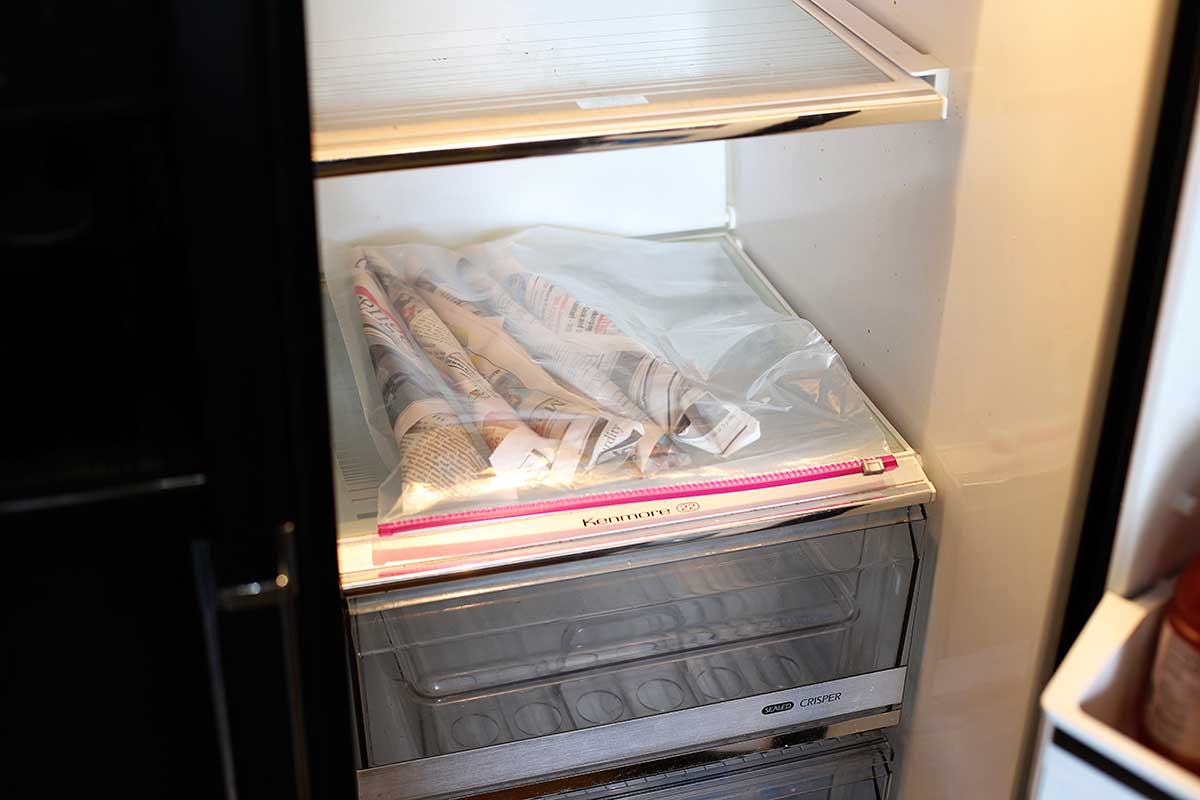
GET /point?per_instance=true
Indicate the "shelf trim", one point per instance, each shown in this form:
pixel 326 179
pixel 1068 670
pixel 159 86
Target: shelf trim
pixel 333 158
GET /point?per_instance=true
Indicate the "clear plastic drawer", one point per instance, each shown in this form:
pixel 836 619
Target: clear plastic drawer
pixel 851 768
pixel 736 626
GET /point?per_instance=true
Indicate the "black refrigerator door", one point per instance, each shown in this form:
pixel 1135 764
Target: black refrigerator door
pixel 172 614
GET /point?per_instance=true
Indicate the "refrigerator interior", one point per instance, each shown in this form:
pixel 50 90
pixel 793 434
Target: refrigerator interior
pixel 966 270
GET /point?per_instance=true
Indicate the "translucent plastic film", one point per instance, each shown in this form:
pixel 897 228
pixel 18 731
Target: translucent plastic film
pixel 555 363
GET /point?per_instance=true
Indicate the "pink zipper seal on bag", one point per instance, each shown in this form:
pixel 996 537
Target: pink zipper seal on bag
pixel 685 490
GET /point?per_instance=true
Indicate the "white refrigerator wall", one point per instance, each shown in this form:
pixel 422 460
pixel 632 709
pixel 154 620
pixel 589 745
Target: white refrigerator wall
pixel 969 272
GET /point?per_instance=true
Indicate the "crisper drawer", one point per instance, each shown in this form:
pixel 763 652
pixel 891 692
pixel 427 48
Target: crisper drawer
pixel 850 768
pixel 515 677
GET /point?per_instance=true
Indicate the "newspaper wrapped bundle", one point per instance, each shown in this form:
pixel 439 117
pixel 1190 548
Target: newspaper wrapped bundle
pixel 517 453
pixel 689 413
pixel 588 435
pixel 439 457
pixel 557 334
pixel 566 362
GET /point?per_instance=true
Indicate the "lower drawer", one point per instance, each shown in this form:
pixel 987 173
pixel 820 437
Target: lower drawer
pixel 519 678
pixel 850 768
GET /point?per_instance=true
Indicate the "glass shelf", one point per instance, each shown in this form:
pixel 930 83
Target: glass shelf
pixel 369 562
pixel 416 84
